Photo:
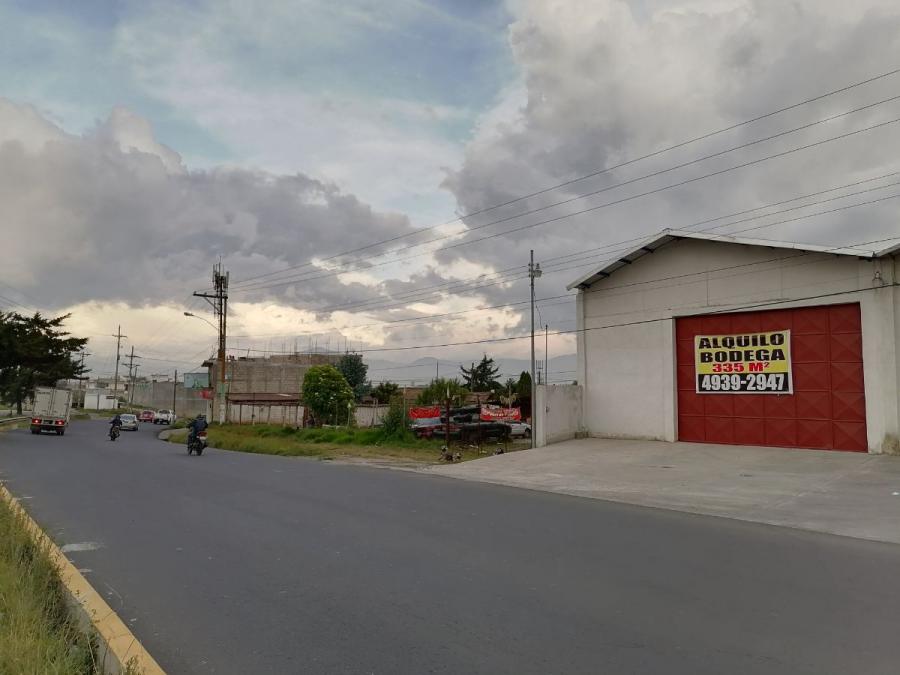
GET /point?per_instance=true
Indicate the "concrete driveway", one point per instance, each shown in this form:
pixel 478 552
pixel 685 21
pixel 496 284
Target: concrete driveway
pixel 844 493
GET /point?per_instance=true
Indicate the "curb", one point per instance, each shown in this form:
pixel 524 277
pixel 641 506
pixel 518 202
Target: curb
pixel 119 651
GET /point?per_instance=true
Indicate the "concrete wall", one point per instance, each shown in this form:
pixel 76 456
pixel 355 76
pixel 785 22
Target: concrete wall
pixel 158 395
pixel 557 413
pixel 369 416
pixel 628 371
pixel 264 414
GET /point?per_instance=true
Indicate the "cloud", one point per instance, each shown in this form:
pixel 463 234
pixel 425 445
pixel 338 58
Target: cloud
pixel 604 81
pixel 113 215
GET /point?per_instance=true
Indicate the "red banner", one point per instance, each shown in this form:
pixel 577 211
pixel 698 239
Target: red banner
pixel 494 413
pixel 206 393
pixel 427 412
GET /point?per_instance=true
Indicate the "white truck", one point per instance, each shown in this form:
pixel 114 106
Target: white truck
pixel 51 410
pixel 164 417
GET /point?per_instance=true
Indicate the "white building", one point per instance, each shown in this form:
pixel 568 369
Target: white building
pixel 679 338
pixel 100 399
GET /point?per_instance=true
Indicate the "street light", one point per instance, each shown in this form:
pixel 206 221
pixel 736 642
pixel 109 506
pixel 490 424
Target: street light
pixel 202 319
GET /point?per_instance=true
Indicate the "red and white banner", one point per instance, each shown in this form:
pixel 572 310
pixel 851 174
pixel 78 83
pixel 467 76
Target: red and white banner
pixel 494 413
pixel 428 412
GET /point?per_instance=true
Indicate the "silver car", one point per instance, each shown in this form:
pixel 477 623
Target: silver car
pixel 519 430
pixel 129 422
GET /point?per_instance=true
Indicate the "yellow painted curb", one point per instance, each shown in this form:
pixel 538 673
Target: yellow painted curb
pixel 120 651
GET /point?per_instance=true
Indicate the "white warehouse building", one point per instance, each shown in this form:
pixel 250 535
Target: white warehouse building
pixel 720 339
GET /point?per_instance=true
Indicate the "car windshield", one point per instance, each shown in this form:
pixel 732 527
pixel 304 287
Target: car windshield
pixel 127 418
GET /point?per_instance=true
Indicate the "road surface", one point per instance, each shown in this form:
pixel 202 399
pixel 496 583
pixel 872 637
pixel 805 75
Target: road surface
pixel 238 563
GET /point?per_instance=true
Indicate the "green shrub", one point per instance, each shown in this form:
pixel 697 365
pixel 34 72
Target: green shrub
pixel 393 425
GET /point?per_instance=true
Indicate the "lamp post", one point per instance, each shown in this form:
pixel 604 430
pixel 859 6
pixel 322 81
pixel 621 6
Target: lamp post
pixel 202 319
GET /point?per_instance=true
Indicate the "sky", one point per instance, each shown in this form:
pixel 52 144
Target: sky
pixel 345 161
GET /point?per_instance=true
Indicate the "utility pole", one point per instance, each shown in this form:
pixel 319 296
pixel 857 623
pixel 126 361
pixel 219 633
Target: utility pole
pixel 447 426
pixel 118 337
pixel 174 392
pixel 132 372
pixel 534 272
pixel 82 378
pixel 547 353
pixel 218 299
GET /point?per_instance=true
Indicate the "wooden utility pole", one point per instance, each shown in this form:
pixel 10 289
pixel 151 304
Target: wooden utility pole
pixel 218 299
pixel 118 337
pixel 132 372
pixel 174 392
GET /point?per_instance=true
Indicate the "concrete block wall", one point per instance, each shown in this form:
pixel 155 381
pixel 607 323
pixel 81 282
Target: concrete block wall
pixel 158 395
pixel 557 413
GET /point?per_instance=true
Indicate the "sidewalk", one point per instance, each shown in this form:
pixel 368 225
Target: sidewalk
pixel 845 493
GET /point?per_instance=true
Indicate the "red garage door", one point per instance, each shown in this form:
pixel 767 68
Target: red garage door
pixel 827 407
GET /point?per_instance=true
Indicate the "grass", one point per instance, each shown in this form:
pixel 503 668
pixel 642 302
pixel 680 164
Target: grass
pixel 37 634
pixel 325 443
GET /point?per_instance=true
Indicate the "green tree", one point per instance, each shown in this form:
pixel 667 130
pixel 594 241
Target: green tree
pixel 354 371
pixel 436 392
pixel 386 391
pixel 327 395
pixel 35 351
pixel 481 377
pixel 523 388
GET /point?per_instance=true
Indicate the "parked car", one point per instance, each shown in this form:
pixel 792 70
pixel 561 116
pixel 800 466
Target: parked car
pixel 430 427
pixel 482 432
pixel 146 416
pixel 519 430
pixel 129 422
pixel 164 417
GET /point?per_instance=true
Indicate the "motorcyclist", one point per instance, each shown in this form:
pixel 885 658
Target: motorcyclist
pixel 115 424
pixel 196 425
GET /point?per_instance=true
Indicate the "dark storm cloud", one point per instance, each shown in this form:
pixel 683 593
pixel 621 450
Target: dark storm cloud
pixel 113 215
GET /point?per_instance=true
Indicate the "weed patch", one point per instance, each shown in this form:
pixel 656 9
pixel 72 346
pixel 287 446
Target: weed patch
pixel 37 633
pixel 325 443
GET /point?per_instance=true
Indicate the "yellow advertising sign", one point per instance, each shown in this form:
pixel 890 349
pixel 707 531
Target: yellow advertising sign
pixel 744 363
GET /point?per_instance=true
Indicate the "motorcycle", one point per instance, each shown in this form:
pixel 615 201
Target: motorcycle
pixel 113 433
pixel 197 443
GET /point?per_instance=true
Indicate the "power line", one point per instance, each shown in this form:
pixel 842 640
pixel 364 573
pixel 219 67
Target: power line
pixel 597 207
pixel 433 317
pixel 803 254
pixel 620 325
pixel 409 296
pixel 593 174
pixel 756 208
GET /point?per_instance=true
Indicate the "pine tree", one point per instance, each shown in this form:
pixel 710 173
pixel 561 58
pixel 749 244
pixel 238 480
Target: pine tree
pixel 481 377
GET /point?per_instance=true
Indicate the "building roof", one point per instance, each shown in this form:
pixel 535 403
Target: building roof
pixel 657 241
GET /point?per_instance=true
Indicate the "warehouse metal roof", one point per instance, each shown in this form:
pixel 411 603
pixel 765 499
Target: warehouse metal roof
pixel 665 237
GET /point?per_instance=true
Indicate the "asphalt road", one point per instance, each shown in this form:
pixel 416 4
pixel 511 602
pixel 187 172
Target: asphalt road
pixel 234 563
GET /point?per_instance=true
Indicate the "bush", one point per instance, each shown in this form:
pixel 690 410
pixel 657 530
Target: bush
pixel 393 425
